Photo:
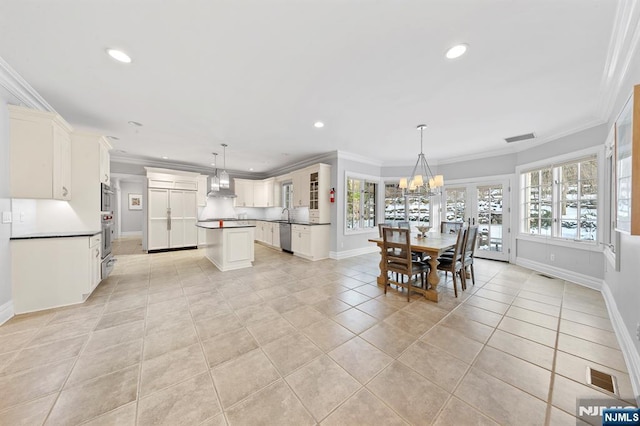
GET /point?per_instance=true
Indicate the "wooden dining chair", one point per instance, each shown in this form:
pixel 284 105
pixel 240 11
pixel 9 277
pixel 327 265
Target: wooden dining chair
pixel 396 257
pixel 469 253
pixel 453 263
pixel 450 227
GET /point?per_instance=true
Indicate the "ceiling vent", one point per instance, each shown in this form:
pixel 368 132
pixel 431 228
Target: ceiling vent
pixel 519 138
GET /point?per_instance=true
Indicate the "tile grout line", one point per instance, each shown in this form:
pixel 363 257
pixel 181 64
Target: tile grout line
pixel 144 332
pixel 553 363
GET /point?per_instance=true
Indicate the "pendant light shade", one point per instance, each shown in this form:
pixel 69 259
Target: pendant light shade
pixel 224 176
pixel 215 180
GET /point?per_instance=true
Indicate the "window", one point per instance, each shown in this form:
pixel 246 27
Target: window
pixel 561 201
pixel 456 204
pixel 287 195
pixel 361 204
pixel 393 203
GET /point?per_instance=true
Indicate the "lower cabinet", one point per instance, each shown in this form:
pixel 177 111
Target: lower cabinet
pixel 52 272
pixel 268 233
pixel 310 241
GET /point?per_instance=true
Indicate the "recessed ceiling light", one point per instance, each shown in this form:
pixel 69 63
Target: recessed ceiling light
pixel 135 123
pixel 250 169
pixel 119 55
pixel 164 157
pixel 457 51
pixel 318 124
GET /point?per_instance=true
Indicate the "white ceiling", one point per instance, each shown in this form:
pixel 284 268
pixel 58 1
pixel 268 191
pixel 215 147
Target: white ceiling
pixel 257 74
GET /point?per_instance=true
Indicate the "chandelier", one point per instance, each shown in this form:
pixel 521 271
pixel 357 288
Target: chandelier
pixel 224 176
pixel 421 178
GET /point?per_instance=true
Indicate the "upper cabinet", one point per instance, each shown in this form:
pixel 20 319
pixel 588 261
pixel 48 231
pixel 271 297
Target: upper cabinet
pixel 40 154
pixel 257 193
pixel 301 183
pixel 244 193
pixel 311 189
pixel 105 162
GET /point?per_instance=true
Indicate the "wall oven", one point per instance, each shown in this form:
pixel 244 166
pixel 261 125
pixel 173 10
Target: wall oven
pixel 107 235
pixel 105 198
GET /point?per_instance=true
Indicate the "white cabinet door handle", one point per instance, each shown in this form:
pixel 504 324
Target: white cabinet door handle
pixel 64 191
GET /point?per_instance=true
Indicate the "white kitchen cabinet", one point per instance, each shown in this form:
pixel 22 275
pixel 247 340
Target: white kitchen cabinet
pixel 301 181
pixel 68 270
pixel 244 192
pixel 260 194
pixel 172 218
pixel 319 203
pixel 202 190
pixel 40 154
pixel 257 193
pixel 275 234
pixel 310 241
pixel 105 162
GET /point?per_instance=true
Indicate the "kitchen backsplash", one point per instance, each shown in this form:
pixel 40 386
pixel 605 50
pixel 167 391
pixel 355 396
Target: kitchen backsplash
pixel 223 208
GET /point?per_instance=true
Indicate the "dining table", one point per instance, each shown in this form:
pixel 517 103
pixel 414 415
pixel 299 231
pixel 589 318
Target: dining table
pixel 433 244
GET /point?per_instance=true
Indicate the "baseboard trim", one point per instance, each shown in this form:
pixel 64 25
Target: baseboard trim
pixel 6 312
pixel 629 351
pixel 574 277
pixel 338 255
pixel 131 234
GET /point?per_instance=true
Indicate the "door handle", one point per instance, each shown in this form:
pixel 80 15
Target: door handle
pixel 169 219
pixel 106 178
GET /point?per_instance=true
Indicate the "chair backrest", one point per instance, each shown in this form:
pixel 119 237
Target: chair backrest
pixel 396 249
pixel 382 225
pixel 450 227
pixel 404 224
pixel 470 241
pixel 459 247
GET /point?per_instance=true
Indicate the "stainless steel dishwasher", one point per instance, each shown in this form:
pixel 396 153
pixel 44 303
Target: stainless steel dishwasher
pixel 285 236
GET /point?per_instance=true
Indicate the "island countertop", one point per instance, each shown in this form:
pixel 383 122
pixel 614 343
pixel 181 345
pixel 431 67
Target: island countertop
pixel 225 225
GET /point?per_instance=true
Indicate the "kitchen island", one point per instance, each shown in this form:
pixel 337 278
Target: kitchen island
pixel 229 247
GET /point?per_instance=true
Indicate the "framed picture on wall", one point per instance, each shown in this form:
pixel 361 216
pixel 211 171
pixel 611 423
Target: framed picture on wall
pixel 628 166
pixel 135 201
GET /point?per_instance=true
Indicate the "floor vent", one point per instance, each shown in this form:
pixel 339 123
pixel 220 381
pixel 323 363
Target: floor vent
pixel 601 380
pixel 546 276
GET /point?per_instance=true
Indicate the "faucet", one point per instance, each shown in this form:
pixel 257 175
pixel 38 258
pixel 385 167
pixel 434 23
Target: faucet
pixel 288 214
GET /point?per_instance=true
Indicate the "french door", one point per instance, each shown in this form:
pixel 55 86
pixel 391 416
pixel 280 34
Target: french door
pixel 486 204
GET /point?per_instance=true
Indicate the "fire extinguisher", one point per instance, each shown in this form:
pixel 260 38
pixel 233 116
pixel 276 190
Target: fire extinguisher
pixel 332 195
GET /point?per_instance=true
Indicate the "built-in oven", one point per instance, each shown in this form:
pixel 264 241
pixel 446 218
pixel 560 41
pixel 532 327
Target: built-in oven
pixel 105 198
pixel 107 235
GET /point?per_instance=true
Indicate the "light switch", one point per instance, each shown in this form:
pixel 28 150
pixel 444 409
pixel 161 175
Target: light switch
pixel 6 217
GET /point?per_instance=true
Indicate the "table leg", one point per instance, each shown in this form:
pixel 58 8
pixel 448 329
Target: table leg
pixel 381 278
pixel 433 279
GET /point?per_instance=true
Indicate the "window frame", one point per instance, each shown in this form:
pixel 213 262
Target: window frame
pixel 554 163
pixel 364 179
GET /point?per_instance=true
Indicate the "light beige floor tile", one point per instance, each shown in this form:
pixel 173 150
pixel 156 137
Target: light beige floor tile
pixel 242 376
pixel 6 358
pixel 304 316
pixel 542 320
pixel 414 398
pixel 501 289
pixel 119 318
pixel 479 315
pixel 285 304
pixel 490 305
pixel 426 310
pixel 500 401
pixel 360 359
pixel 218 420
pixel 495 295
pixel 587 319
pixel 170 322
pixel 114 336
pixel 529 331
pixel 456 412
pixel 160 343
pixel 370 290
pixel 51 333
pixel 94 398
pixel 543 298
pixel 189 402
pixel 125 302
pixel 355 320
pixel 166 307
pixel 322 386
pixel 121 416
pixel 434 364
pixel 256 314
pixel 163 296
pixel 268 331
pixel 592 351
pixel 274 405
pixel 24 322
pixel 36 356
pixel 210 327
pixel 453 342
pixel 331 306
pixel 377 309
pixel 291 352
pixel 114 358
pixel 521 374
pixel 30 413
pixel 77 313
pixel 228 346
pixel 566 391
pixel 469 328
pixel 352 297
pixel 327 334
pixel 363 409
pixel 592 334
pixel 170 368
pixel 536 306
pixel 575 368
pixel 410 323
pixel 558 417
pixel 522 348
pixel 32 384
pixel 391 340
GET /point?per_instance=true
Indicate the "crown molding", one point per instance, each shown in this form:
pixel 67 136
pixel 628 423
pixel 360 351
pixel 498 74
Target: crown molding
pixel 623 47
pixel 18 87
pixel 343 155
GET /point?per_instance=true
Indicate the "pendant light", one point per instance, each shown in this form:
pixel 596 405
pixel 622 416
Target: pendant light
pixel 422 178
pixel 215 180
pixel 224 176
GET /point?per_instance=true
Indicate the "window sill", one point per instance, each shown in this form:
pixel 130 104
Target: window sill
pixel 579 245
pixel 361 231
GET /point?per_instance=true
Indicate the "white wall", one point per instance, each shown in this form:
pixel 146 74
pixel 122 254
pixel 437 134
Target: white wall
pixel 5 206
pixel 130 220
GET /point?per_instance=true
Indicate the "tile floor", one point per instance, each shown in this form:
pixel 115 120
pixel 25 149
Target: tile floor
pixel 168 339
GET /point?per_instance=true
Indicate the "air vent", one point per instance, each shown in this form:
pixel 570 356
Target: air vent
pixel 601 380
pixel 520 138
